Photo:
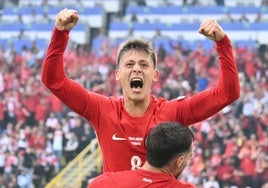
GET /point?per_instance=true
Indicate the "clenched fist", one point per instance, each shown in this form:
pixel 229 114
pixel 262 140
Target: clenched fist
pixel 66 19
pixel 212 30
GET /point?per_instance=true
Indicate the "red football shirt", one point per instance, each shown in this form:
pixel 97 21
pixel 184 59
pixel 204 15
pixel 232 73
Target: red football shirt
pixel 121 136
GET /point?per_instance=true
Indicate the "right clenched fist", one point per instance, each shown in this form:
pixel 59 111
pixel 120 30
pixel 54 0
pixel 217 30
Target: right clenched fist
pixel 66 19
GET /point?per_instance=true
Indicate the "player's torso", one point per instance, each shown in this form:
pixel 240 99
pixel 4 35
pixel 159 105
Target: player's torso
pixel 122 137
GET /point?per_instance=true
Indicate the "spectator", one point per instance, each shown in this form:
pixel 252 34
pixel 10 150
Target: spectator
pixel 28 159
pixel 45 18
pixel 131 34
pixel 229 17
pixel 38 173
pixel 51 122
pixel 38 140
pixel 225 172
pixel 261 168
pixel 264 2
pixel 22 34
pixel 57 145
pixel 71 147
pixel 244 19
pixel 134 17
pixel 2 163
pixel 19 19
pixel 211 182
pixel 161 53
pixel 11 166
pixel 247 156
pixel 141 2
pixel 88 135
pixel 24 179
pixel 41 111
pixel 220 2
pixel 258 18
pixel 56 106
pixel 49 162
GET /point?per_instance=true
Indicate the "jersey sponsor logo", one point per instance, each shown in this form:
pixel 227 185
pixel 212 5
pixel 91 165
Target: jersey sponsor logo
pixel 147 180
pixel 137 141
pixel 114 137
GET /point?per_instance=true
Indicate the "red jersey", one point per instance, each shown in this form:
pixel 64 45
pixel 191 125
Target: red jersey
pixel 121 136
pixel 137 179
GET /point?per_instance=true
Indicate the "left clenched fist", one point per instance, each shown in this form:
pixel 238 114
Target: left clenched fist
pixel 212 30
pixel 66 19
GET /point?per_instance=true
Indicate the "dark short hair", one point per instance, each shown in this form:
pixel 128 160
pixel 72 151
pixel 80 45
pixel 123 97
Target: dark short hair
pixel 166 141
pixel 139 45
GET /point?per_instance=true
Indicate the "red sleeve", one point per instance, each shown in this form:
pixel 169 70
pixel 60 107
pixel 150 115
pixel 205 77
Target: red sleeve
pixel 207 103
pixel 53 70
pixel 54 77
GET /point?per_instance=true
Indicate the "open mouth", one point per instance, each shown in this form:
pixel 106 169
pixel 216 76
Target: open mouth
pixel 136 83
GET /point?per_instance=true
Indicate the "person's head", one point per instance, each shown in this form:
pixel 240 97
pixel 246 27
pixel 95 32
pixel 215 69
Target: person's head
pixel 137 63
pixel 170 146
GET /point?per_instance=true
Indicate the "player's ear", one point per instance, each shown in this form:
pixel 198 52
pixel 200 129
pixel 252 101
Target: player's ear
pixel 156 75
pixel 117 74
pixel 179 161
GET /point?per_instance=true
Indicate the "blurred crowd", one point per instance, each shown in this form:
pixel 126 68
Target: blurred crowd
pixel 39 135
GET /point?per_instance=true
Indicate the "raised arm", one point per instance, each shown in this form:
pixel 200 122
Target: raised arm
pixel 53 68
pixel 228 78
pixel 53 74
pixel 208 102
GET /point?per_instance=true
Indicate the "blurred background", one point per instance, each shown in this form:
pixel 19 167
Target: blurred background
pixel 36 129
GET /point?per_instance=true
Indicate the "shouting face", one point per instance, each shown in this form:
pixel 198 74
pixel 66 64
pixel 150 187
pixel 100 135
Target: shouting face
pixel 136 73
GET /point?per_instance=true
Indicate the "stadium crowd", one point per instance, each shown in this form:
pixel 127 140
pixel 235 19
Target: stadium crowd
pixel 39 135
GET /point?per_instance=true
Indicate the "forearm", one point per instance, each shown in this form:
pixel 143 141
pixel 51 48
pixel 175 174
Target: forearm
pixel 208 102
pixel 53 68
pixel 228 77
pixel 54 78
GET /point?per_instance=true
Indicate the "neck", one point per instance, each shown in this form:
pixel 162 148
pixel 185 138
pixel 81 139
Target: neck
pixel 151 168
pixel 136 108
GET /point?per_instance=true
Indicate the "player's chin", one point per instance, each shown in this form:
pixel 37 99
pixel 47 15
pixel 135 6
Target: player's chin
pixel 137 96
